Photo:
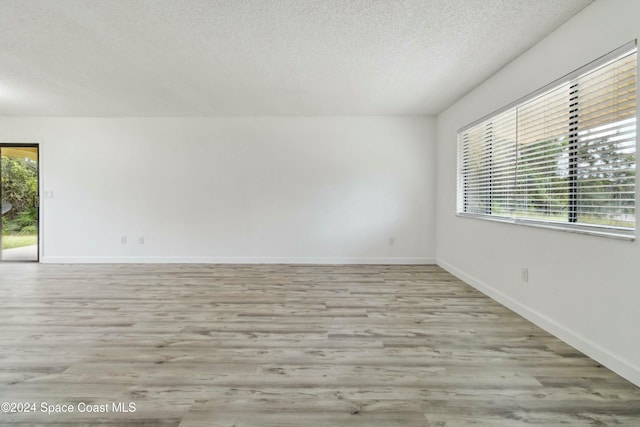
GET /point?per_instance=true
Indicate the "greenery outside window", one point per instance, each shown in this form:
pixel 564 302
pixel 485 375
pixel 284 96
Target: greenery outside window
pixel 563 157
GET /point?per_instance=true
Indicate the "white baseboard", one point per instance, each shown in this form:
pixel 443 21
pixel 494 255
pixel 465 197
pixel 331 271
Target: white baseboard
pixel 616 364
pixel 232 260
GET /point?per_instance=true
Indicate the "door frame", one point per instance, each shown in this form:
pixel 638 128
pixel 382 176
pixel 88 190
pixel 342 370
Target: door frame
pixel 39 219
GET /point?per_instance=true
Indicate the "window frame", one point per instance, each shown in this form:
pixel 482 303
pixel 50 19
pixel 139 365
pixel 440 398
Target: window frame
pixel 570 225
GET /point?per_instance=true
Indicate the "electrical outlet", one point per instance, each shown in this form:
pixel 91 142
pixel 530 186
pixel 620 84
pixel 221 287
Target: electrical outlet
pixel 123 240
pixel 525 274
pixel 141 240
pixel 392 241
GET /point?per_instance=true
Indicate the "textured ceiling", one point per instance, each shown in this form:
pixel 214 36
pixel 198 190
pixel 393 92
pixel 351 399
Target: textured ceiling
pixel 259 57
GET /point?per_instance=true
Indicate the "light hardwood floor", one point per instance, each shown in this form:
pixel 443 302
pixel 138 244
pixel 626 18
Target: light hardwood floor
pixel 285 346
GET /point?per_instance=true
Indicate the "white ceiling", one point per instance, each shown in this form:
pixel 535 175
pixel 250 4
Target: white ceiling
pixel 259 57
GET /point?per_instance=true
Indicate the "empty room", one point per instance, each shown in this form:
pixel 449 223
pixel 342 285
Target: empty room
pixel 279 213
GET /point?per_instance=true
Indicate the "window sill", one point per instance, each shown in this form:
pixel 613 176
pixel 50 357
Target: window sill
pixel 612 233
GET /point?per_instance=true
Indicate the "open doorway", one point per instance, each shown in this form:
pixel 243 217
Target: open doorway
pixel 19 194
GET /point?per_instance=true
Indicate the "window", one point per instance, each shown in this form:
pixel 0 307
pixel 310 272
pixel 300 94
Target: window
pixel 563 157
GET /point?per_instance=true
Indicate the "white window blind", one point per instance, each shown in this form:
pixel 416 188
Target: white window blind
pixel 564 156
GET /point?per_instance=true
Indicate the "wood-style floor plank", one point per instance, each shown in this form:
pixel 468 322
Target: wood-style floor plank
pixel 286 345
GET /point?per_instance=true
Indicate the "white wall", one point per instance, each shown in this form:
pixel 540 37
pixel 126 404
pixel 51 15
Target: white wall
pixel 584 289
pixel 235 189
